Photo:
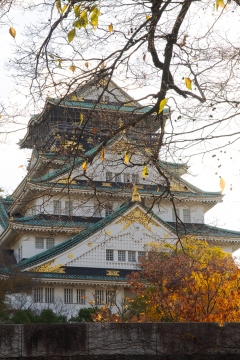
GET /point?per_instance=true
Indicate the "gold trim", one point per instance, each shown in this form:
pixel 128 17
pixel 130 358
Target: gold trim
pixel 112 272
pixel 47 267
pixel 70 256
pixel 108 232
pixel 106 184
pixel 137 215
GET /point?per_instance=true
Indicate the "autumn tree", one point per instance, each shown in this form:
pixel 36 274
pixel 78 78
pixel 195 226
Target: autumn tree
pixel 196 283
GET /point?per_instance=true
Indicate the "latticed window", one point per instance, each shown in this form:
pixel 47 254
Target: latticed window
pixel 118 178
pixel 174 215
pixel 57 207
pixel 99 297
pixel 121 255
pixel 49 295
pixel 132 256
pixel 186 216
pixel 135 178
pixel 108 176
pixel 68 296
pixel 109 255
pixel 49 243
pixel 39 242
pixel 81 296
pixel 141 253
pixel 68 208
pixel 108 210
pixel 97 210
pixel 34 210
pixel 110 297
pixel 38 294
pixel 127 178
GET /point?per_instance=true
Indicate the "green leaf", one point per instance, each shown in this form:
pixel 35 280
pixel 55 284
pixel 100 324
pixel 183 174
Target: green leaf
pixel 94 17
pixel 58 5
pixel 51 56
pixel 77 10
pixel 84 18
pixel 71 35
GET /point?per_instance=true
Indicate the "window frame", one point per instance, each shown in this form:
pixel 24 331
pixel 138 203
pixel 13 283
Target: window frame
pixel 38 238
pixel 99 297
pixel 111 253
pixel 130 257
pixel 174 215
pixel 109 176
pixel 127 178
pixel 49 295
pixel 57 207
pixel 186 216
pixel 38 294
pixel 68 208
pixel 47 240
pixel 120 257
pixel 81 299
pixel 68 296
pixel 118 178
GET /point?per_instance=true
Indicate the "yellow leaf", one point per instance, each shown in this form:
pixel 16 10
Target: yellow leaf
pixel 94 17
pixel 157 189
pixel 148 17
pixel 73 97
pixel 81 119
pixel 58 5
pixel 126 157
pixel 84 166
pixel 12 32
pixel 64 8
pixel 162 104
pixel 51 56
pixel 71 35
pixel 72 68
pixel 20 166
pixel 84 18
pixel 77 10
pixel 188 83
pixel 102 154
pixel 145 171
pixel 0 116
pixel 195 58
pixel 222 184
pixel 110 28
pixel 221 4
pixel 86 64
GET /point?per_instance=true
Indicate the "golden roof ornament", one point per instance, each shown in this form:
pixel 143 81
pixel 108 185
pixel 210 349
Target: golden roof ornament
pixel 135 194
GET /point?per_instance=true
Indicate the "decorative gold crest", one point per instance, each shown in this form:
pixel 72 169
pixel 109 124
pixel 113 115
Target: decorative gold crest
pixel 106 184
pixel 112 273
pixel 178 187
pixel 137 215
pixel 108 232
pixel 70 256
pixel 47 267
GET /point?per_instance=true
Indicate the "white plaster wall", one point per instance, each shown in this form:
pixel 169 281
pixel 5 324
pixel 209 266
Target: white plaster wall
pixel 164 211
pixel 27 241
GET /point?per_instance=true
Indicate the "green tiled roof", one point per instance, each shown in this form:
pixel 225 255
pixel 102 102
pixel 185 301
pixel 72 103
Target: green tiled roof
pixel 4 218
pixel 126 191
pixel 196 229
pixel 54 220
pixel 87 105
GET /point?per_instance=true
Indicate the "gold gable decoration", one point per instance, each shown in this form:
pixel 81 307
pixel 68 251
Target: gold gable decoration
pixel 120 146
pixel 65 180
pixel 137 215
pixel 47 267
pixel 178 187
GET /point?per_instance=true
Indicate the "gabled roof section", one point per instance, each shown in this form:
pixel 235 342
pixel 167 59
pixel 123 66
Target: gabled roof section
pixel 73 241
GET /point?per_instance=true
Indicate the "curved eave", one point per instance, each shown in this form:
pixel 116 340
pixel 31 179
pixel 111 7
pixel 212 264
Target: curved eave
pixel 56 187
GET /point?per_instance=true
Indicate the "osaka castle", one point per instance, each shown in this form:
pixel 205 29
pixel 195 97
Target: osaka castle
pixel 89 206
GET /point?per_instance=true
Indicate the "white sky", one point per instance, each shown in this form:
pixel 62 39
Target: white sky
pixel 203 169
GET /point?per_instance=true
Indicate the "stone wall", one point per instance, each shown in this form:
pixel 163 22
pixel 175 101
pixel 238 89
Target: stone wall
pixel 164 341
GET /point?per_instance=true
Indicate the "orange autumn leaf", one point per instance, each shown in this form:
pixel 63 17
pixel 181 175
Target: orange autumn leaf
pixel 84 166
pixel 188 83
pixel 12 32
pixel 94 130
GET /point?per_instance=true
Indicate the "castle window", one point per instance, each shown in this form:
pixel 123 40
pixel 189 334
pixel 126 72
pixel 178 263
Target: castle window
pixel 110 297
pixel 121 255
pixel 99 297
pixel 135 178
pixel 57 207
pixel 174 215
pixel 108 210
pixel 186 216
pixel 49 243
pixel 141 253
pixel 68 208
pixel 109 255
pixel 106 98
pixel 118 178
pixel 34 210
pixel 39 242
pixel 127 178
pixel 38 294
pixel 81 296
pixel 68 296
pixel 49 295
pixel 132 256
pixel 108 176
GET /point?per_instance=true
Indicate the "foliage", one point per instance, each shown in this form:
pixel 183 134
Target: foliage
pixel 84 315
pixel 23 317
pixel 193 283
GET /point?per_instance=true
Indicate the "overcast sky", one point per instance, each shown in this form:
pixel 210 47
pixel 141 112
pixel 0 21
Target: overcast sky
pixel 203 168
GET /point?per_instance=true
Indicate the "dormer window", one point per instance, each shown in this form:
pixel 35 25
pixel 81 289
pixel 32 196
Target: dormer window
pixel 108 176
pixel 186 216
pixel 57 207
